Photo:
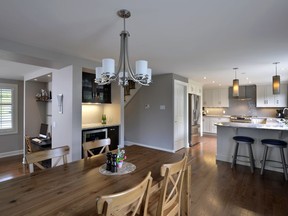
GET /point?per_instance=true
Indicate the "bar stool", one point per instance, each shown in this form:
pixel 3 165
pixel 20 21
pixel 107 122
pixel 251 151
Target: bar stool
pixel 274 143
pixel 243 140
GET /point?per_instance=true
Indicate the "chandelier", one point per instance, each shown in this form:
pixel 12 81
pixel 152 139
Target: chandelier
pixel 106 73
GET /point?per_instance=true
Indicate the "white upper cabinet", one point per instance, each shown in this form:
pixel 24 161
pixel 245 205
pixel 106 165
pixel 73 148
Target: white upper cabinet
pixel 265 97
pixel 215 97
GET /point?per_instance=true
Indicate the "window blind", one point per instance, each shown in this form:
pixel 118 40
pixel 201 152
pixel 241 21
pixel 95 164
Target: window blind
pixel 6 99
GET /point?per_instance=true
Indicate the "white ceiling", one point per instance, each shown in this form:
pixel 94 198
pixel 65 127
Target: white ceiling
pixel 187 37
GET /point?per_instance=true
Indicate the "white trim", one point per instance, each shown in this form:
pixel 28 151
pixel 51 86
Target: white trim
pixel 14 129
pixel 128 143
pixel 11 153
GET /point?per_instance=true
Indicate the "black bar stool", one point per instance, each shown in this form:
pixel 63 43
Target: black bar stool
pixel 247 141
pixel 273 143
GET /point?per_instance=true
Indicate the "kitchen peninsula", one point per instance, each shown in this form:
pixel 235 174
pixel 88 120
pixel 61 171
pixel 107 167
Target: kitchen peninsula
pixel 267 130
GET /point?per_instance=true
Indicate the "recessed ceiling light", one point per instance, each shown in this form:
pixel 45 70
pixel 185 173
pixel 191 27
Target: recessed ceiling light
pixel 204 77
pixel 49 75
pixel 247 78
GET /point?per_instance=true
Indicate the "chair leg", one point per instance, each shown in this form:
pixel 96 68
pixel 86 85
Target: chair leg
pixel 284 163
pixel 264 159
pixel 251 158
pixel 235 155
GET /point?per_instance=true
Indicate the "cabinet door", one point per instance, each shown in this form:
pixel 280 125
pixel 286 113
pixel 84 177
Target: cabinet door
pixel 224 97
pixel 92 92
pixel 262 94
pixel 206 125
pixel 207 98
pixel 281 99
pixel 113 134
pixel 213 127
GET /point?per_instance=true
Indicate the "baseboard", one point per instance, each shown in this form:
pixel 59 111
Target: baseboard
pixel 128 143
pixel 11 153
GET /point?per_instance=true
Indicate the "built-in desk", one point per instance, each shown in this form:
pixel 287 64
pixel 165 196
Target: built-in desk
pixel 44 144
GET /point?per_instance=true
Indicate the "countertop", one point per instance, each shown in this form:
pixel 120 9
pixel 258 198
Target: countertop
pixel 218 116
pixel 98 125
pixel 271 126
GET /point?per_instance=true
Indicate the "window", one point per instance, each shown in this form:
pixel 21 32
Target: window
pixel 8 108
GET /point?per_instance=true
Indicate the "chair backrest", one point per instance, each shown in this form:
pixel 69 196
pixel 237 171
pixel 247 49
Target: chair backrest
pixel 28 145
pixel 130 202
pixel 170 195
pixel 104 143
pixel 36 157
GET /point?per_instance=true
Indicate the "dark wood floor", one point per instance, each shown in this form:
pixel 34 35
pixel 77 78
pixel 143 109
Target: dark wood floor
pixel 216 188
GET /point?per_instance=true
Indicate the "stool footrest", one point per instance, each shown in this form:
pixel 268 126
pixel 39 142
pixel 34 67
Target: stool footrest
pixel 273 161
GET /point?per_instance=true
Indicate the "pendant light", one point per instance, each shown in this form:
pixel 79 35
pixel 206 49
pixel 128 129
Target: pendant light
pixel 276 81
pixel 235 84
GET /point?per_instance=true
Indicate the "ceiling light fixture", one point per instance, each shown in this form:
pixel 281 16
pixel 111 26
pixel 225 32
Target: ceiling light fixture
pixel 106 73
pixel 235 84
pixel 276 81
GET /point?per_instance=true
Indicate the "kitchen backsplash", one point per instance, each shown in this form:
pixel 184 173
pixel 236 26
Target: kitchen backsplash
pixel 243 107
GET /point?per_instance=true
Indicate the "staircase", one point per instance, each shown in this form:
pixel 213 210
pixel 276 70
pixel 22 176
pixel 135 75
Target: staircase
pixel 130 90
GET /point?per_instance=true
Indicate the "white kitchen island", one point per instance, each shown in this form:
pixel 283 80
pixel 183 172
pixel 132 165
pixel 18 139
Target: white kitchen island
pixel 225 143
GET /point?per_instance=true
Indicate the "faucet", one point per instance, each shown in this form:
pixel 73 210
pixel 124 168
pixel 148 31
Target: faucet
pixel 284 111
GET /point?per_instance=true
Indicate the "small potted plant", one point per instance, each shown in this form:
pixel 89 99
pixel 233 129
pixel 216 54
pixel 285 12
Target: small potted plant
pixel 103 119
pixel 120 157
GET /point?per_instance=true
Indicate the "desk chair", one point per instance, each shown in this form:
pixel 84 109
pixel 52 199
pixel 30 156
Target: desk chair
pixel 88 146
pixel 28 145
pixel 36 157
pixel 169 195
pixel 130 202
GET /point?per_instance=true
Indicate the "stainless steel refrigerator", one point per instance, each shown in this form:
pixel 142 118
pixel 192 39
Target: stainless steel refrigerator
pixel 194 119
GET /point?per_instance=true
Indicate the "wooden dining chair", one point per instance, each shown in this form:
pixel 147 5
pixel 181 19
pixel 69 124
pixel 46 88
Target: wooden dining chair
pixel 28 145
pixel 130 202
pixel 35 158
pixel 101 143
pixel 169 202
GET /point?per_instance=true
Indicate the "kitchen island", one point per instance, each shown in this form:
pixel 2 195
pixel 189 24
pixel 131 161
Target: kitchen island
pixel 225 143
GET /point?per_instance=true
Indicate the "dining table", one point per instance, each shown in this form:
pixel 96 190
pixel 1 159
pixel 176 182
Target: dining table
pixel 72 189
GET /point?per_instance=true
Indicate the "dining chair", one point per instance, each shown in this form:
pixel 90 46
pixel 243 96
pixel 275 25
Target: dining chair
pixel 101 143
pixel 28 145
pixel 133 201
pixel 169 202
pixel 34 158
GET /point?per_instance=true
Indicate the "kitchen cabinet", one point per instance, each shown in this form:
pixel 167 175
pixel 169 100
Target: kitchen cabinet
pixel 209 123
pixel 215 97
pixel 265 97
pixel 92 92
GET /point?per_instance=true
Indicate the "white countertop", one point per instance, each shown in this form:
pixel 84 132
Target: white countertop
pixel 218 116
pixel 98 125
pixel 272 126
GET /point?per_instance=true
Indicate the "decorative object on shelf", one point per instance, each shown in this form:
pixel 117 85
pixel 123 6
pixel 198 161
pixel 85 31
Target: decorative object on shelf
pixel 43 96
pixel 235 84
pixel 104 118
pixel 276 81
pixel 60 103
pixel 106 73
pixel 120 157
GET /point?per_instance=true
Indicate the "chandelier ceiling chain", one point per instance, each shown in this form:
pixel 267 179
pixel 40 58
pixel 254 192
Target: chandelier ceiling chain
pixel 106 73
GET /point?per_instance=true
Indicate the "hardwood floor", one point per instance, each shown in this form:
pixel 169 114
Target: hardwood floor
pixel 216 188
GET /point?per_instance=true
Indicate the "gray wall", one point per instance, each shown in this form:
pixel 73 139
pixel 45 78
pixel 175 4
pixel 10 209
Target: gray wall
pixel 35 112
pixel 152 126
pixel 14 142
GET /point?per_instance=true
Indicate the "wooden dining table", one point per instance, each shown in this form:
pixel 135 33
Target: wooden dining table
pixel 72 189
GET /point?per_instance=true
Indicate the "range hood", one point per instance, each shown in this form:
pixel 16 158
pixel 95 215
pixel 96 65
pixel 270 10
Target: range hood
pixel 247 92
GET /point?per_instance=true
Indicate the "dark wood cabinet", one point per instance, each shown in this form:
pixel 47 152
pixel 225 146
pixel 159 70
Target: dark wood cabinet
pixel 113 134
pixel 92 92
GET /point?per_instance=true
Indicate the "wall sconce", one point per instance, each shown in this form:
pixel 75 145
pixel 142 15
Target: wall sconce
pixel 235 85
pixel 276 81
pixel 60 103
